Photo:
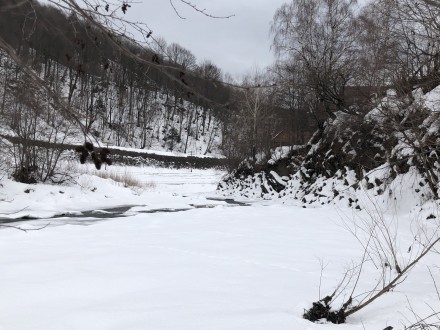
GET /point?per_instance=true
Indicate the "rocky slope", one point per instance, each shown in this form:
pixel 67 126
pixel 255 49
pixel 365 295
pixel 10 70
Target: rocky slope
pixel 389 152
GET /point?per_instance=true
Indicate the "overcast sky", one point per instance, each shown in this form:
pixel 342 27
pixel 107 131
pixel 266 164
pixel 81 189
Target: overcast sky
pixel 235 44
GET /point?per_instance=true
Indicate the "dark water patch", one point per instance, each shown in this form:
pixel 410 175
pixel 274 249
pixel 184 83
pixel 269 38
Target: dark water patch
pixel 163 210
pixel 208 206
pixel 24 218
pixel 93 216
pixel 110 213
pixel 229 201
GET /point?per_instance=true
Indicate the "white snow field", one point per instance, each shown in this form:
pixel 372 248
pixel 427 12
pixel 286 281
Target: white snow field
pixel 222 267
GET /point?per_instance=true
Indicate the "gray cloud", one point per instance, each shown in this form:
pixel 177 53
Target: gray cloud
pixel 235 44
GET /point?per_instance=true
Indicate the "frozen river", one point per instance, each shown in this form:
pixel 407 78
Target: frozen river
pixel 178 257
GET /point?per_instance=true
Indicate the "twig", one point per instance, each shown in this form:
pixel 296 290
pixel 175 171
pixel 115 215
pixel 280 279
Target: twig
pixel 321 263
pixel 203 11
pixel 435 283
pixel 176 11
pixel 23 229
pixel 3 213
pixel 395 281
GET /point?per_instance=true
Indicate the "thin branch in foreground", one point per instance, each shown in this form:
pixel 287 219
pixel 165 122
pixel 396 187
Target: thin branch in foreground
pixel 15 212
pixel 24 229
pixel 175 10
pixel 381 249
pixel 203 11
pixel 435 283
pixel 397 280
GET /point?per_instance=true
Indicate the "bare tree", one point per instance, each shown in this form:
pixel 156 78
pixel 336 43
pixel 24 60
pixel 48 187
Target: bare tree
pixel 181 56
pixel 378 47
pixel 253 122
pixel 322 35
pixel 292 97
pixel 416 29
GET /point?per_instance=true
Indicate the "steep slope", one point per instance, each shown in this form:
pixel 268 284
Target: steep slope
pixel 116 95
pixel 389 153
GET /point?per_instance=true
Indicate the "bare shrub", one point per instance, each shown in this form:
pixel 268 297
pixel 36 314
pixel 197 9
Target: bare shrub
pixel 379 237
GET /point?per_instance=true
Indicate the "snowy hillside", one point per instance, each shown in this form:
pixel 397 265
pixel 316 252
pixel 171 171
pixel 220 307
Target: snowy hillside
pixel 163 122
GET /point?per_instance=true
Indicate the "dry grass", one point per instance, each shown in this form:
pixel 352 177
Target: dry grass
pixel 120 176
pixel 125 179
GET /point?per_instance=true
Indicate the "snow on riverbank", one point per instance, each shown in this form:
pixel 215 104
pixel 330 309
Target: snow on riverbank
pixel 243 267
pixel 159 188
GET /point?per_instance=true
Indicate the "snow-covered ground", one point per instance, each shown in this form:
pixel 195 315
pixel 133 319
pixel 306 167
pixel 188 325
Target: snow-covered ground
pixel 154 188
pixel 219 267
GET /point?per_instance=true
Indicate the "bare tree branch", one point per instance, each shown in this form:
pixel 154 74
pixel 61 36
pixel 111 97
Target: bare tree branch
pixel 197 9
pixel 24 229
